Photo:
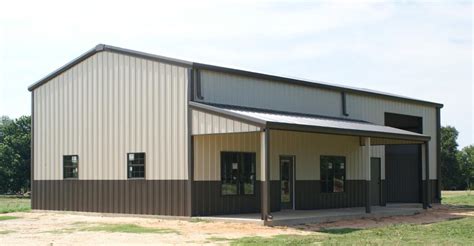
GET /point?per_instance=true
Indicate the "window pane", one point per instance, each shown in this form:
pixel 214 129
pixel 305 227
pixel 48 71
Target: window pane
pixel 70 166
pixel 229 174
pixel 136 165
pixel 237 173
pixel 247 174
pixel 332 173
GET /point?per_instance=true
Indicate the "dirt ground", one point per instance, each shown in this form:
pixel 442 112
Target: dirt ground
pixel 58 228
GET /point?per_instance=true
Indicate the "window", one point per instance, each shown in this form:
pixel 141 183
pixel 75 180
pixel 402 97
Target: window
pixel 136 165
pixel 70 166
pixel 237 173
pixel 333 173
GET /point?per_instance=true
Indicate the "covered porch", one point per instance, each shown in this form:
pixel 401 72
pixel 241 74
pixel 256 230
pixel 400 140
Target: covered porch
pixel 305 164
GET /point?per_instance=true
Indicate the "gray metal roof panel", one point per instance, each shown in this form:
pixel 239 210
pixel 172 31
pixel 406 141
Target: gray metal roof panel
pixel 317 124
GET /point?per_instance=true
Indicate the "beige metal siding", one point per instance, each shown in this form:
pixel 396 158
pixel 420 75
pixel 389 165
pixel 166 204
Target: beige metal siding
pixel 308 148
pixel 373 109
pixel 207 149
pixel 225 88
pixel 106 106
pixel 205 123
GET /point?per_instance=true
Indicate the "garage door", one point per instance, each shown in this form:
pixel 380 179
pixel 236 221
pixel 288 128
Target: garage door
pixel 403 162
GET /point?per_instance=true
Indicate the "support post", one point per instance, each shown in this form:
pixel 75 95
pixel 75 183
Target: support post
pixel 265 174
pixel 426 203
pixel 367 158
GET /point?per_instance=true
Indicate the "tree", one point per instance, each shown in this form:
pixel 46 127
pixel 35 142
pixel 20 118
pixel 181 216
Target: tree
pixel 465 159
pixel 15 154
pixel 450 171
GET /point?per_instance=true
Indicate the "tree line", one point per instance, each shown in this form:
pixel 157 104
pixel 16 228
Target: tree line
pixel 457 166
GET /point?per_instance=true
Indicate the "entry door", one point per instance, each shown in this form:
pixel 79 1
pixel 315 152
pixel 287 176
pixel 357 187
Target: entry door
pixel 375 180
pixel 287 181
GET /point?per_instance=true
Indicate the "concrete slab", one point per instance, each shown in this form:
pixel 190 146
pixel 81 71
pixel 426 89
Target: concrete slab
pixel 295 217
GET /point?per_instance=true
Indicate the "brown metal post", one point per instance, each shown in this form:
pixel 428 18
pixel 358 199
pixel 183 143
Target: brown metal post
pixel 265 202
pixel 368 174
pixel 427 175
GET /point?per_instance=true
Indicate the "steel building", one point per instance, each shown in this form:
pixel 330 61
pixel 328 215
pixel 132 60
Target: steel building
pixel 121 131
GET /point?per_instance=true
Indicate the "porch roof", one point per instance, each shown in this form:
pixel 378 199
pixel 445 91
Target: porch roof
pixel 380 134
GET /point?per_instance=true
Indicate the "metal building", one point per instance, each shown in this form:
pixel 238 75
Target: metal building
pixel 121 131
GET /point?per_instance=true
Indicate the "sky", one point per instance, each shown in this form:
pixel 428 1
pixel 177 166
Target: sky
pixel 420 49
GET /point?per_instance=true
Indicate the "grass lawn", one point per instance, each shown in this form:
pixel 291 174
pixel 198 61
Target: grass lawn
pixel 10 204
pixel 453 232
pixel 6 217
pixel 127 228
pixel 462 199
pixel 457 232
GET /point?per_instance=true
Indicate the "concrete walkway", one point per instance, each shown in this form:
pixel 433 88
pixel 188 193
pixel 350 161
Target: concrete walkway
pixel 295 217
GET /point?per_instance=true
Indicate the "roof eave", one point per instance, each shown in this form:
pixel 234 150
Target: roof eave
pixel 347 132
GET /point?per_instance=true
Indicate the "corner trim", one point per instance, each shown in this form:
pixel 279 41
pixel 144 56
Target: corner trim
pixel 32 145
pixel 438 152
pixel 190 144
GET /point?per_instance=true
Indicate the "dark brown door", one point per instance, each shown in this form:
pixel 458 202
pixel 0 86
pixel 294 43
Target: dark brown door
pixel 286 181
pixel 375 181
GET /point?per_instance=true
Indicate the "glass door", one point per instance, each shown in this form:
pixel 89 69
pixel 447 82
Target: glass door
pixel 286 181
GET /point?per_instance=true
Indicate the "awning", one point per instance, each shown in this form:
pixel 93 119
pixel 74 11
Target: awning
pixel 261 119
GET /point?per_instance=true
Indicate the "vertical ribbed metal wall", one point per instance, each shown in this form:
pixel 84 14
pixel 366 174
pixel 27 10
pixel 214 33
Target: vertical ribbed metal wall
pixel 206 123
pixel 106 106
pixel 208 148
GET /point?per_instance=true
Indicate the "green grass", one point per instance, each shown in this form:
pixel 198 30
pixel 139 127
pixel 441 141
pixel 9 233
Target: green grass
pixel 218 239
pixel 9 204
pixel 199 220
pixel 6 217
pixel 459 231
pixel 463 199
pixel 453 232
pixel 3 232
pixel 127 228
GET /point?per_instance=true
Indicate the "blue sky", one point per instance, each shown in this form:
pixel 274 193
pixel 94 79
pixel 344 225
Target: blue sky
pixel 420 49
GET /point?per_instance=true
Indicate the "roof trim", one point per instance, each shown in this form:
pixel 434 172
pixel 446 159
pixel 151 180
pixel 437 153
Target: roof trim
pixel 349 132
pixel 195 65
pixel 314 84
pixel 307 128
pixel 102 47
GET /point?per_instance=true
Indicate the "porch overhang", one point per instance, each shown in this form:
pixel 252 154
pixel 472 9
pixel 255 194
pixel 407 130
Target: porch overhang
pixel 266 119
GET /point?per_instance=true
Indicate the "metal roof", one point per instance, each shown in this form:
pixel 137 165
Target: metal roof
pixel 308 123
pixel 195 65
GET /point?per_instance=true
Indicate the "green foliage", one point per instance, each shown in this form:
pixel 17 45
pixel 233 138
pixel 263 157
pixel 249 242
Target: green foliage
pixel 465 158
pixel 127 228
pixel 450 171
pixel 15 154
pixel 9 204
